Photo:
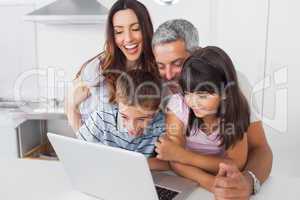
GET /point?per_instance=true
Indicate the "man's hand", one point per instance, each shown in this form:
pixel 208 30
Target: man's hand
pixel 230 184
pixel 167 149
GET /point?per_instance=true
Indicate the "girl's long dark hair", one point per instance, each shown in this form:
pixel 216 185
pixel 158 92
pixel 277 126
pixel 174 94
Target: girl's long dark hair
pixel 112 59
pixel 211 70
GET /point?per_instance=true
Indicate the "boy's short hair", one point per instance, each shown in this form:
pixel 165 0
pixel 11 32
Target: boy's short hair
pixel 139 88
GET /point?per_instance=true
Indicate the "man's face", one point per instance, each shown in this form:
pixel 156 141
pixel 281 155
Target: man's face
pixel 170 58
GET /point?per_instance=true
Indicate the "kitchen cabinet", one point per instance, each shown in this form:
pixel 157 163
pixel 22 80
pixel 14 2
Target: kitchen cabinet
pixel 8 138
pixel 22 133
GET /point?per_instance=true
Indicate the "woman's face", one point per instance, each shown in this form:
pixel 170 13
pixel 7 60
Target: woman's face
pixel 202 103
pixel 127 34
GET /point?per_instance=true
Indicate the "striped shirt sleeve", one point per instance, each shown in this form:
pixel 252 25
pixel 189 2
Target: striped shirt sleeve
pixel 92 128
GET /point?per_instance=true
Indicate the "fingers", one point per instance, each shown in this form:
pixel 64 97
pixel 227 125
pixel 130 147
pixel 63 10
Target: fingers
pixel 221 198
pixel 222 170
pixel 157 145
pixel 227 182
pixel 230 169
pixel 163 137
pixel 229 194
pixel 86 91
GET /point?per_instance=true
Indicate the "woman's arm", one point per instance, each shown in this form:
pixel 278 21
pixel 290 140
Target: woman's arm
pixel 74 117
pixel 170 151
pixel 78 94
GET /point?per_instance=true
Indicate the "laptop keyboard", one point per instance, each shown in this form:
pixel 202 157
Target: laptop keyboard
pixel 165 194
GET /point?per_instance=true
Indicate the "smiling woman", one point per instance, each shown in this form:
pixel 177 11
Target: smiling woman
pixel 129 33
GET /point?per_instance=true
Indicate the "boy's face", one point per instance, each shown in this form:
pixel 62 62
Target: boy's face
pixel 135 119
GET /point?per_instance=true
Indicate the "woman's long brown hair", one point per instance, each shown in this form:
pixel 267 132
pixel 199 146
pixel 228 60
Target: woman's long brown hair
pixel 112 59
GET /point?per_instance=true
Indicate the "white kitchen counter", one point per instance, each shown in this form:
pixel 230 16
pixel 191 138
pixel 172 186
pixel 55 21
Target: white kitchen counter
pixel 15 117
pixel 35 180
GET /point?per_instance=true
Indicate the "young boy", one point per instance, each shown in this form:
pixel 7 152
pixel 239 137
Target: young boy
pixel 134 122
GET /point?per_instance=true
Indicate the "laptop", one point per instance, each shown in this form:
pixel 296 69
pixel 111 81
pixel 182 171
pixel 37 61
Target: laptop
pixel 111 173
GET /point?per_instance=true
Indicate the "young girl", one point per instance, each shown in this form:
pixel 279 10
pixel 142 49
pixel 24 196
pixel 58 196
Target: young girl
pixel 215 114
pixel 128 46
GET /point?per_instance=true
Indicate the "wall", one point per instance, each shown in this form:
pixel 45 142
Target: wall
pixel 17 48
pixel 281 101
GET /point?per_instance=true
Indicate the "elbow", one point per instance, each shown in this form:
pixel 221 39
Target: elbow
pixel 270 152
pixel 240 164
pixel 262 150
pixel 176 167
pixel 267 154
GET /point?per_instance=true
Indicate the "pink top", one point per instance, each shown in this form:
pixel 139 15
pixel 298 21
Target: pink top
pixel 198 141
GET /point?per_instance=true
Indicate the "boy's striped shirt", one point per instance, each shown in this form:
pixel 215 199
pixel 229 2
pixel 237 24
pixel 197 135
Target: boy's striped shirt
pixel 104 127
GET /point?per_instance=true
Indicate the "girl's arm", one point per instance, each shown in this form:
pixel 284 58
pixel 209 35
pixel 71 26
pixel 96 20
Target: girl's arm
pixel 175 128
pixel 176 134
pixel 170 151
pixel 236 154
pixel 156 164
pixel 196 174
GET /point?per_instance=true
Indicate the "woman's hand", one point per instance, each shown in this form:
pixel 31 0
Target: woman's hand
pixel 80 92
pixel 167 149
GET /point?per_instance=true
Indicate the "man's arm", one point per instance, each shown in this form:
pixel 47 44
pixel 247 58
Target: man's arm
pixel 239 185
pixel 260 156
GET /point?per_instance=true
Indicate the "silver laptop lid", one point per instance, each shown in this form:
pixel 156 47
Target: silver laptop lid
pixel 105 172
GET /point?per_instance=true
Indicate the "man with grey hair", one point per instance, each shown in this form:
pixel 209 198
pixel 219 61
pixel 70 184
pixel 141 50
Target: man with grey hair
pixel 175 39
pixel 176 29
pixel 172 44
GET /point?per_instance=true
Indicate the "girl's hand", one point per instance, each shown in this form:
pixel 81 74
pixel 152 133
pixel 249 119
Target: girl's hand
pixel 167 149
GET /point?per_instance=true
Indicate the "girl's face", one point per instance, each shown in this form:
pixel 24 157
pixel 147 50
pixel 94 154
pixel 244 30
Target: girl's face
pixel 127 34
pixel 202 103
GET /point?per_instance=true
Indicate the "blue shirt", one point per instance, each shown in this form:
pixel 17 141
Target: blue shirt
pixel 104 127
